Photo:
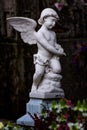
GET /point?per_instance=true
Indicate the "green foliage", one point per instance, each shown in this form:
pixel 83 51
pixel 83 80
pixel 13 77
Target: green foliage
pixel 81 106
pixel 10 126
pixel 62 116
pixel 59 116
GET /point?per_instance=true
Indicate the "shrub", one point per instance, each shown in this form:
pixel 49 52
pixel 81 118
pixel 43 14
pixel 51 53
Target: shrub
pixel 62 116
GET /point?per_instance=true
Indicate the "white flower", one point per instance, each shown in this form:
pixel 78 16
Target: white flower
pixel 79 126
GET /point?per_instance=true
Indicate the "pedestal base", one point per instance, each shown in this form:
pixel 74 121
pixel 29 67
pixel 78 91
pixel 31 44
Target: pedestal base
pixel 47 95
pixel 35 105
pixel 25 120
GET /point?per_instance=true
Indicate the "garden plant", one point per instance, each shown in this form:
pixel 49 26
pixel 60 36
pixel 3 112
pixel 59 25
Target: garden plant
pixel 59 116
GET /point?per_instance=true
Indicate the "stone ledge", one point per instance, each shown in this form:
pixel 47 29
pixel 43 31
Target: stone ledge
pixel 40 95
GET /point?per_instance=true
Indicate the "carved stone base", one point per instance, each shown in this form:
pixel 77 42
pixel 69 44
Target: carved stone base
pixel 49 84
pixel 40 95
pixel 49 90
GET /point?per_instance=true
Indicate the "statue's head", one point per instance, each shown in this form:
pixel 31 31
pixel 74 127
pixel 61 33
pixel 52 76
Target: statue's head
pixel 48 12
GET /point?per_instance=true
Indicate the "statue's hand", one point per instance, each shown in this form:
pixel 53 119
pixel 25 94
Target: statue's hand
pixel 64 53
pixel 61 51
pixel 57 46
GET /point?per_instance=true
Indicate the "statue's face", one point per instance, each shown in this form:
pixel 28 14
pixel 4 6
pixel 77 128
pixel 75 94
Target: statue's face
pixel 50 22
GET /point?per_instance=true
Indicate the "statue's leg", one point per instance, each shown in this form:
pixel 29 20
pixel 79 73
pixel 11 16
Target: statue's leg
pixel 38 75
pixel 55 65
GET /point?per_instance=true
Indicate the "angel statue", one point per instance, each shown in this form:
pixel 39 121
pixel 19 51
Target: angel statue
pixel 47 65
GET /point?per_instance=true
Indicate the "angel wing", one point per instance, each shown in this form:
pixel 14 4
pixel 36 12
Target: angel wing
pixel 26 27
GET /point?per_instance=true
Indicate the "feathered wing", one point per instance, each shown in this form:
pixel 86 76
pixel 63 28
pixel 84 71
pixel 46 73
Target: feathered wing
pixel 26 27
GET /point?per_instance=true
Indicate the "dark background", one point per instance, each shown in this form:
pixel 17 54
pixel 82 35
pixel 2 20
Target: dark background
pixel 16 57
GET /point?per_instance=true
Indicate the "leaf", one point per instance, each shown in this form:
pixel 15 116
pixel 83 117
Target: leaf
pixel 54 105
pixel 53 126
pixel 63 103
pixel 84 105
pixel 78 106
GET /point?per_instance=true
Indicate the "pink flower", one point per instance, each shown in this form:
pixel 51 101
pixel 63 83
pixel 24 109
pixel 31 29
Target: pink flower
pixel 79 118
pixel 69 103
pixel 59 6
pixel 63 127
pixel 66 115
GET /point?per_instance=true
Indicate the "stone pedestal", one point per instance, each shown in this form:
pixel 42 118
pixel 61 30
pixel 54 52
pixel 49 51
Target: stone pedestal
pixel 49 89
pixel 35 105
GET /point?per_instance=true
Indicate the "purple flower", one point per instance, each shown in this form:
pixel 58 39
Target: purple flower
pixel 69 103
pixel 63 127
pixel 67 115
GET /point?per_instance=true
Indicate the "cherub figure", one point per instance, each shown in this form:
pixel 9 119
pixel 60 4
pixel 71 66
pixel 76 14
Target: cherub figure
pixel 49 51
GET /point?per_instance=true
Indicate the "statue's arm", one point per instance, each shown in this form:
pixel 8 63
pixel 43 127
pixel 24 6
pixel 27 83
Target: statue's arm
pixel 42 40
